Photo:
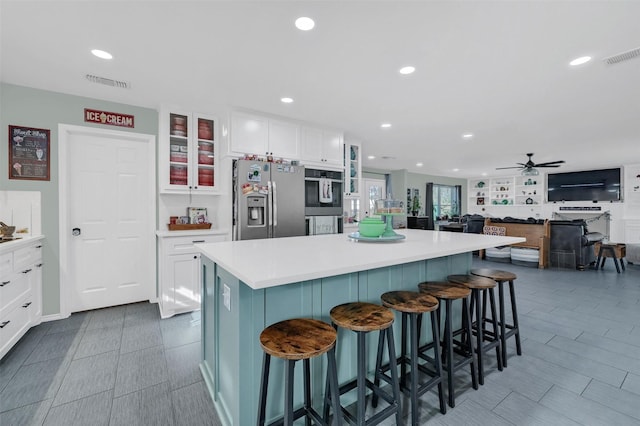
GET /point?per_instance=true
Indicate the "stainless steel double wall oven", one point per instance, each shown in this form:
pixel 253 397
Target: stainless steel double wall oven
pixel 323 201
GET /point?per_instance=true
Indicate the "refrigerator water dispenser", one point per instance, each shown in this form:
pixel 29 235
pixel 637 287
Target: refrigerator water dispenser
pixel 256 207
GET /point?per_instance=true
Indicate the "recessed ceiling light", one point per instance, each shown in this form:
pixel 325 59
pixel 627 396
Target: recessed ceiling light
pixel 305 24
pixel 385 125
pixel 456 170
pixel 484 174
pixel 579 61
pixel 371 157
pixel 419 164
pixel 467 135
pixel 407 70
pixel 102 54
pixel 286 100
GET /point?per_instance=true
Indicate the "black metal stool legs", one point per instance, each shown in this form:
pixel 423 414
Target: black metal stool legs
pixel 264 381
pixel 514 313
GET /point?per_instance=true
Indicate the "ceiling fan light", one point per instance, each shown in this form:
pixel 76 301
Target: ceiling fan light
pixel 530 172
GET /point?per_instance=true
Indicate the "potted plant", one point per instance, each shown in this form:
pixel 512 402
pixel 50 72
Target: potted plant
pixel 415 205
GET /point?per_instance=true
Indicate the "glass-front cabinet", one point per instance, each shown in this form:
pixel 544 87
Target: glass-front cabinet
pixel 352 169
pixel 188 152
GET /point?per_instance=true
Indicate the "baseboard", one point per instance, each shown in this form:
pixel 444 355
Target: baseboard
pixel 53 317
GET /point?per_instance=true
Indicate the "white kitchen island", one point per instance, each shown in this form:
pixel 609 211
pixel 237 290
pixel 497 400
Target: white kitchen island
pixel 248 285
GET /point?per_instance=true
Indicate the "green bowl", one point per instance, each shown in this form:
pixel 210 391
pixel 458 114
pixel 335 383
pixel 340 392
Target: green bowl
pixel 370 229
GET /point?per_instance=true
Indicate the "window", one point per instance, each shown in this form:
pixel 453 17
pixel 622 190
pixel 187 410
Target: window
pixel 446 201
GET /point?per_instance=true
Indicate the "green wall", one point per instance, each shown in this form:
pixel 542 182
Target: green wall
pixel 42 109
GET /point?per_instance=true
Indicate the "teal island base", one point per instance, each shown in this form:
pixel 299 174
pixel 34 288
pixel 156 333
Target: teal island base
pixel 234 315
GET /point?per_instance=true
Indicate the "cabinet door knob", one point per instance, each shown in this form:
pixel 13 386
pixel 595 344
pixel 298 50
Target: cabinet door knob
pixel 39 265
pixel 4 283
pixel 26 305
pixel 195 257
pixel 197 241
pixel 4 323
pixel 39 246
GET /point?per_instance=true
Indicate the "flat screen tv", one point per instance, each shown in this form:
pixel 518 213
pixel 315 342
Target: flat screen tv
pixel 590 185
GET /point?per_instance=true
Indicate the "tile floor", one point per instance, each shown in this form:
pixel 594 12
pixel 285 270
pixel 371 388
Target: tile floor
pixel 125 366
pixel 114 366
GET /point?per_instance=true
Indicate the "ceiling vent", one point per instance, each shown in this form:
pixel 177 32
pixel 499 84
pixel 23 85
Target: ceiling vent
pixel 108 81
pixel 388 157
pixel 624 56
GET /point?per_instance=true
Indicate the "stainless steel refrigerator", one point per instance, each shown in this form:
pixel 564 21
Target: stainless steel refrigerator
pixel 268 200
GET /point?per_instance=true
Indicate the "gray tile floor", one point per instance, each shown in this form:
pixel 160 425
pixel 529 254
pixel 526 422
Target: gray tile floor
pixel 114 366
pixel 125 366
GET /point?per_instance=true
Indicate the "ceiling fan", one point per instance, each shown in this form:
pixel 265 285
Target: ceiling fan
pixel 529 168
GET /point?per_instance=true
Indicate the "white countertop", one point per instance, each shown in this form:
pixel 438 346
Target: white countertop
pixel 276 261
pixel 18 243
pixel 191 233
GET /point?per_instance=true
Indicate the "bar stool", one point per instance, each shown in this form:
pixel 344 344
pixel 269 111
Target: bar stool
pixel 293 340
pixel 363 318
pixel 449 292
pixel 506 330
pixel 480 287
pixel 412 305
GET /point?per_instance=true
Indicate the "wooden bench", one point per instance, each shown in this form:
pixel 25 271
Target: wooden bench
pixel 537 234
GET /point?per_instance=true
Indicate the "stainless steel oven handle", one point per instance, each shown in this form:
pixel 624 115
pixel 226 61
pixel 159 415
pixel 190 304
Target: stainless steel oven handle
pixel 318 180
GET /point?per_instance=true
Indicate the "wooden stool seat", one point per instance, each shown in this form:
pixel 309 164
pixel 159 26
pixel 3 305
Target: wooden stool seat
pixel 409 301
pixel 294 340
pixel 299 338
pixel 443 290
pixel 472 281
pixel 362 316
pixel 494 274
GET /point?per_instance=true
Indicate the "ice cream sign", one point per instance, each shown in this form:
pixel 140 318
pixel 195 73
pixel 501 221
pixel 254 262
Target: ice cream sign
pixel 109 118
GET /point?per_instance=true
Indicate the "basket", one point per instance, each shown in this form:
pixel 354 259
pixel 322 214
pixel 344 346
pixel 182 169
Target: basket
pixel 187 226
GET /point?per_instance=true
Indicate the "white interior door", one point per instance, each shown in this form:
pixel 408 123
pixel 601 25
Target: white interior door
pixel 108 198
pixel 374 189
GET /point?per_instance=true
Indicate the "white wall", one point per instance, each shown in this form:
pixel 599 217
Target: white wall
pixel 22 209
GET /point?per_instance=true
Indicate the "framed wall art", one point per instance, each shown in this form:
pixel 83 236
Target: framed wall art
pixel 29 150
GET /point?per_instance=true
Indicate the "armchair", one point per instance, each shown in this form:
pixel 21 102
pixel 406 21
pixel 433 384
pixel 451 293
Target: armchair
pixel 571 236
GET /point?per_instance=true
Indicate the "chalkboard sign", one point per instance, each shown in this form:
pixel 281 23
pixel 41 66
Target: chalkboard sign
pixel 29 153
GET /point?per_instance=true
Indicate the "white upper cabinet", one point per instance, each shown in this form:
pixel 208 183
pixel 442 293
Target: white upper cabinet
pixel 321 148
pixel 249 133
pixel 284 139
pixel 265 136
pixel 254 134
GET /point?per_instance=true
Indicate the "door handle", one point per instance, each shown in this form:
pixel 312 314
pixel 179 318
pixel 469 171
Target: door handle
pixel 4 283
pixel 26 305
pixel 270 202
pixel 76 231
pixel 275 205
pixel 4 323
pixel 26 271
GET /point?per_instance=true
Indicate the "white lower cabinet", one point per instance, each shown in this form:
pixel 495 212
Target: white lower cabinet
pixel 180 272
pixel 20 290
